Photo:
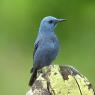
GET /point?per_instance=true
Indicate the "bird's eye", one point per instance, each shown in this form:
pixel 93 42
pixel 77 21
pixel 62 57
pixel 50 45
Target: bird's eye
pixel 50 22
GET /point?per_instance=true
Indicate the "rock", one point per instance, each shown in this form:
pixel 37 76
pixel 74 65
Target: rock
pixel 60 80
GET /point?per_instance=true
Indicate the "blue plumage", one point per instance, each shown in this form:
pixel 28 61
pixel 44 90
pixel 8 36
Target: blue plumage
pixel 46 45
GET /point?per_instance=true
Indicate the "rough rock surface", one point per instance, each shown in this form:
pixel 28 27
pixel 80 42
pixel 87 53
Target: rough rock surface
pixel 60 80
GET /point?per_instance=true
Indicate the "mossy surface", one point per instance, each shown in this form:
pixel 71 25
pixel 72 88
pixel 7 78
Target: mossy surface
pixel 61 80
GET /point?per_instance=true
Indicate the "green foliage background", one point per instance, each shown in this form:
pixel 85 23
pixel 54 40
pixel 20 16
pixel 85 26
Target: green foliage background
pixel 19 22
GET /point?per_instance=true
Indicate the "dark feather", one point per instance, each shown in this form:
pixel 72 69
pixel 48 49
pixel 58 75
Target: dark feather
pixel 35 48
pixel 33 77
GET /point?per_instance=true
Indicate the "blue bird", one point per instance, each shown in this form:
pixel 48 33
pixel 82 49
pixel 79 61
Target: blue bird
pixel 46 45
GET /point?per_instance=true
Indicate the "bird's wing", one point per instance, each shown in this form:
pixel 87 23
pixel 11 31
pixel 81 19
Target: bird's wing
pixel 35 48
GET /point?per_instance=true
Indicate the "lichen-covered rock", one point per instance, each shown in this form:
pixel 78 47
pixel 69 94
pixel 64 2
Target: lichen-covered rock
pixel 60 80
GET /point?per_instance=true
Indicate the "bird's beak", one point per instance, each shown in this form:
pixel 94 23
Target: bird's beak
pixel 61 20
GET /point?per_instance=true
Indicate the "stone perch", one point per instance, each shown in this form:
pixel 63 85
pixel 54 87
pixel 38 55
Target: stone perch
pixel 60 80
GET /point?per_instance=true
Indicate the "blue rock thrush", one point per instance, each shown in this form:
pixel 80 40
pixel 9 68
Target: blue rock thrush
pixel 46 45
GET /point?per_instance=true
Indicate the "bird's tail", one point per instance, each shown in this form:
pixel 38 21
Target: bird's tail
pixel 33 77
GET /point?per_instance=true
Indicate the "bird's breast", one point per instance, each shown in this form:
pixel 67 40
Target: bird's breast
pixel 51 46
pixel 46 52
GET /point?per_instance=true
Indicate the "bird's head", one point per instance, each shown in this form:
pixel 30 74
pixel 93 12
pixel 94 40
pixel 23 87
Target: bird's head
pixel 49 23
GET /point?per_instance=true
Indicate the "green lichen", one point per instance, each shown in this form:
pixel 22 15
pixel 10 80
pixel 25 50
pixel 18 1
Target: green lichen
pixel 84 85
pixel 59 86
pixel 51 81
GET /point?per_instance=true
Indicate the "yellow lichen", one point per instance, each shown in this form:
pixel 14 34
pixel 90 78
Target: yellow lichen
pixel 74 84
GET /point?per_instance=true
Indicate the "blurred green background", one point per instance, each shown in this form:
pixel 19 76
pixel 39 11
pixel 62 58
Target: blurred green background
pixel 19 22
